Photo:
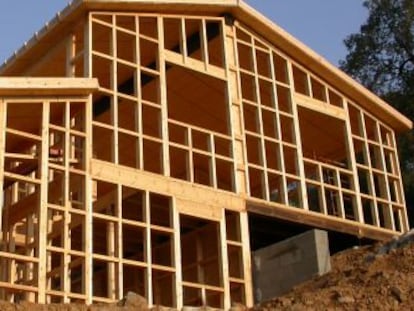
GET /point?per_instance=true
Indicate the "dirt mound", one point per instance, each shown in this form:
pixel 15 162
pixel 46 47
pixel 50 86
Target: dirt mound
pixel 379 277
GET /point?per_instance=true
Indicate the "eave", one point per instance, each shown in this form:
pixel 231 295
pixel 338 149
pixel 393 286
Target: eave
pixel 52 32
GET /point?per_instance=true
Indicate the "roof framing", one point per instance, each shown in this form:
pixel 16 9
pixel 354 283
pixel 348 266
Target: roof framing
pixel 51 33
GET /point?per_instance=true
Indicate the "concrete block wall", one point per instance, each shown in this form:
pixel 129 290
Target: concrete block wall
pixel 279 267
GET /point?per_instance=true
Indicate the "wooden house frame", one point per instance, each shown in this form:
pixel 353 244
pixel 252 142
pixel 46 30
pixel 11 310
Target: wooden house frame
pixel 137 138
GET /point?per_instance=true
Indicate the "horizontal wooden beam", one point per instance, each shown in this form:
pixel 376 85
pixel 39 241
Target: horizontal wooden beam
pixel 319 106
pixel 194 64
pixel 319 220
pixel 13 86
pixel 185 191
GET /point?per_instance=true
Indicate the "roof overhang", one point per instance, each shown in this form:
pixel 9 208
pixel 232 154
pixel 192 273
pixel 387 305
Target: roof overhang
pixel 51 33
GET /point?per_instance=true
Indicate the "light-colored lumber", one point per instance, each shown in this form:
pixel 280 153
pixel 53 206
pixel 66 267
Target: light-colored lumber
pixel 319 106
pixel 235 118
pixel 3 121
pixel 318 220
pixel 143 180
pixel 316 63
pixel 224 261
pixel 241 11
pixel 300 170
pixel 84 190
pixel 194 64
pixel 165 161
pixel 42 207
pixel 359 216
pixel 47 86
pixel 247 265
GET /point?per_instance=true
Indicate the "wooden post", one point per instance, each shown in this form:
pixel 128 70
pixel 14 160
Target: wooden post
pixel 87 282
pixel 235 108
pixel 42 207
pixel 118 243
pixel 384 185
pixel 246 253
pixel 298 141
pixel 259 118
pixel 70 55
pixel 147 250
pixel 3 120
pixel 223 252
pixel 177 256
pixel 163 98
pixel 367 161
pixel 114 87
pixel 358 213
pixel 404 219
pixel 281 162
pixel 66 242
pixel 30 244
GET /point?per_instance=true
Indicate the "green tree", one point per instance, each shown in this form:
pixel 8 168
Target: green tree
pixel 381 57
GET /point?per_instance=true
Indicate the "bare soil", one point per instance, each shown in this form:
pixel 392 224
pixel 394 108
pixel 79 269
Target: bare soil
pixel 368 278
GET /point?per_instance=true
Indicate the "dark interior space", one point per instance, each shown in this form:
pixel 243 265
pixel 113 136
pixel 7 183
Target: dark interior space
pixel 265 231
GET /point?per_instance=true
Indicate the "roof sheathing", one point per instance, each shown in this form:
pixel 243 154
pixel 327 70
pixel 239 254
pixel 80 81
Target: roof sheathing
pixel 47 38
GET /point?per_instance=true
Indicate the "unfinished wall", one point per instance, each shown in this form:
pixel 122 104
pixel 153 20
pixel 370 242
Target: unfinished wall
pixel 310 147
pixel 196 120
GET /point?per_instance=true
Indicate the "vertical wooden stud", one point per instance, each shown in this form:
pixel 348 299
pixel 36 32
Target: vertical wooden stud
pixel 66 201
pixel 177 256
pixel 114 86
pixel 148 250
pixel 224 260
pixel 42 207
pixel 259 117
pixel 163 97
pixel 119 243
pixel 3 121
pixel 384 185
pixel 281 161
pixel 405 224
pixel 204 43
pixel 247 265
pixel 367 161
pixel 358 214
pixel 70 55
pixel 213 167
pixel 234 106
pixel 298 142
pixel 183 41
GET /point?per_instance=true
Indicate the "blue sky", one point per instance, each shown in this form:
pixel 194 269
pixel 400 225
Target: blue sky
pixel 320 24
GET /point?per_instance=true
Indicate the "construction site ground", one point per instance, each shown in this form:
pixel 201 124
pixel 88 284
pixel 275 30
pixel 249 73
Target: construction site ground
pixel 377 277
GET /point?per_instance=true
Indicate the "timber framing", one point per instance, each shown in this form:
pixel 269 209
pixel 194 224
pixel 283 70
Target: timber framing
pixel 137 138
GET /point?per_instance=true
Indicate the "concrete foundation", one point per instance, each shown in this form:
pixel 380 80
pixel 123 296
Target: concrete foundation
pixel 279 267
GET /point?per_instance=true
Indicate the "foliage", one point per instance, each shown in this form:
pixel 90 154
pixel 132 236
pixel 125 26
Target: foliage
pixel 381 57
